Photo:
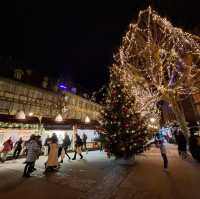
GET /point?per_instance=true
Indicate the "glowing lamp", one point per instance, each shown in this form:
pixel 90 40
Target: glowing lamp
pixel 87 120
pixel 62 86
pixel 20 115
pixel 152 120
pixel 30 114
pixel 59 118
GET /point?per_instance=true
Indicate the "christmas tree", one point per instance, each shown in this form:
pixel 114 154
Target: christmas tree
pixel 125 131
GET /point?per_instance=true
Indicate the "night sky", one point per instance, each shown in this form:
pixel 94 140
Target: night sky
pixel 78 40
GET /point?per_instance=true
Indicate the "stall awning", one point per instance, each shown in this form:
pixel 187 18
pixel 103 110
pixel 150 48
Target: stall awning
pixel 48 123
pixel 13 119
pixel 51 124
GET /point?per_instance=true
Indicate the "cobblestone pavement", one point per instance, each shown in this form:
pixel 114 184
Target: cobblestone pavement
pixel 94 177
pixel 97 177
pixel 148 181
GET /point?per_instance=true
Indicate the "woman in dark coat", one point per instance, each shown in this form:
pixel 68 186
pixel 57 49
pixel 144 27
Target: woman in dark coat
pixel 78 145
pixel 182 144
pixel 194 143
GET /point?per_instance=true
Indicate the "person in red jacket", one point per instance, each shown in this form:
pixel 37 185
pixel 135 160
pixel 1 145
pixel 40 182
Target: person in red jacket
pixel 7 147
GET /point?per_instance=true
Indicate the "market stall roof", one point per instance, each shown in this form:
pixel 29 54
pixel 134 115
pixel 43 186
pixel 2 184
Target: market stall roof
pixel 93 124
pixel 51 124
pixel 13 119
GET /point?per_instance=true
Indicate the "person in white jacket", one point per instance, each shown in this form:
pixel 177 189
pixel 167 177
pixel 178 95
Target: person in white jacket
pixel 161 142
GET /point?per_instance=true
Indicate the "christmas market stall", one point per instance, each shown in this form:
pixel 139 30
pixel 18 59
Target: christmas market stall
pixel 70 127
pixel 14 127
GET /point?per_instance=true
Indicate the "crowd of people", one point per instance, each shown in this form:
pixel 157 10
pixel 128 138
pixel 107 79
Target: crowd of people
pixel 18 148
pixel 32 149
pixel 55 150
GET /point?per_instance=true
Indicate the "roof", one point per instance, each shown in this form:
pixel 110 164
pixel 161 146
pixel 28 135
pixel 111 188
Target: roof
pixel 13 119
pixel 51 124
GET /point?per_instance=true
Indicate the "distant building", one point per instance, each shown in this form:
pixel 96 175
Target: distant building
pixel 16 96
pixel 26 110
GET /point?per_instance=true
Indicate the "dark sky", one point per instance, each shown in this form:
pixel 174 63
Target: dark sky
pixel 78 40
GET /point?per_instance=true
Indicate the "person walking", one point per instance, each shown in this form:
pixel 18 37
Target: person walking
pixel 39 142
pixel 33 151
pixel 161 142
pixel 84 138
pixel 65 145
pixel 18 148
pixel 78 145
pixel 7 147
pixel 194 143
pixel 182 144
pixel 52 161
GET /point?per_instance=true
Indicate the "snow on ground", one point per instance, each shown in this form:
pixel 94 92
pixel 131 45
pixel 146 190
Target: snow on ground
pixel 97 177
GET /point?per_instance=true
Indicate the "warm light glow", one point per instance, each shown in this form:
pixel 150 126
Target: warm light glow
pixel 152 126
pixel 59 118
pixel 66 97
pixel 20 115
pixel 87 119
pixel 157 61
pixel 152 120
pixel 30 114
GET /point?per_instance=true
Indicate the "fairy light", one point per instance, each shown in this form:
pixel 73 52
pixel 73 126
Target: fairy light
pixel 155 54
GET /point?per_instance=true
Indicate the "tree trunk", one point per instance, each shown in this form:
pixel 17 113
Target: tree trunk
pixel 180 117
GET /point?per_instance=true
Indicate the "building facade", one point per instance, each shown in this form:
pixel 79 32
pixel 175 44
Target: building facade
pixel 16 96
pixel 26 110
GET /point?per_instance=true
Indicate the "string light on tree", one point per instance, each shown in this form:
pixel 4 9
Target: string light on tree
pixel 125 131
pixel 159 62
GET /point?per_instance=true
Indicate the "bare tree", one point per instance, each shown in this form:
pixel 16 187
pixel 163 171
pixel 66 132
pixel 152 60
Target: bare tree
pixel 164 62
